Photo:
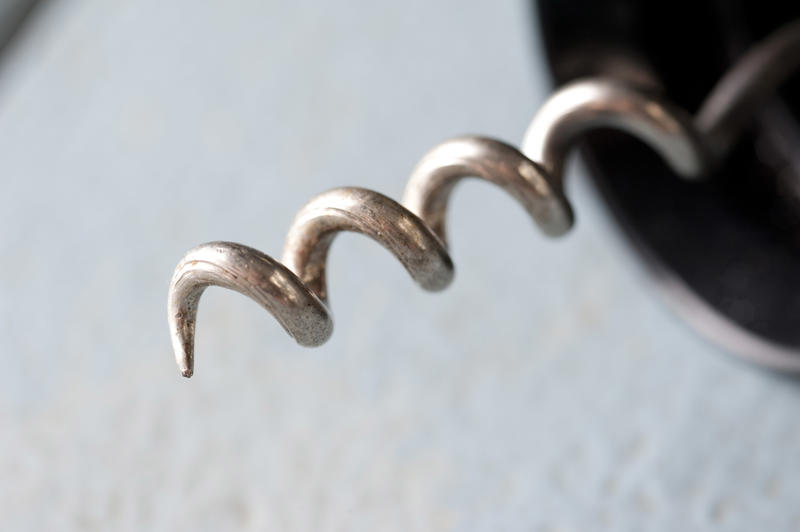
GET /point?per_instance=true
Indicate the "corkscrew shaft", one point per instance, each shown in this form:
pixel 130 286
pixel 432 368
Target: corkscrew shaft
pixel 295 290
pixel 738 94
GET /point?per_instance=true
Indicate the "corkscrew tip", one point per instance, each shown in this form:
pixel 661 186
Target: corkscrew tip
pixel 184 356
pixel 251 273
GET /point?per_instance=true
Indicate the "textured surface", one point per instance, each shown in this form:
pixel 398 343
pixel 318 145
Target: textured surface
pixel 587 408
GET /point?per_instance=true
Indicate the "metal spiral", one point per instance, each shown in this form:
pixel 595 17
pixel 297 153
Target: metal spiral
pixel 295 291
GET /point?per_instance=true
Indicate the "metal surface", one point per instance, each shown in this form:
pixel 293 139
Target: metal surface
pixel 250 272
pixel 296 291
pixel 688 145
pixel 432 181
pixel 725 254
pixel 371 214
pixel 744 88
pixel 597 103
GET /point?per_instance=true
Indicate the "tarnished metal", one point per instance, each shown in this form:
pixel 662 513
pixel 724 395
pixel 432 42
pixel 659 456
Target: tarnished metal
pixel 593 103
pixel 432 181
pixel 295 291
pixel 371 214
pixel 252 273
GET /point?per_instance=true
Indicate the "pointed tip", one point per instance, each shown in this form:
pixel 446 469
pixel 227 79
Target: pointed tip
pixel 184 357
pixel 185 363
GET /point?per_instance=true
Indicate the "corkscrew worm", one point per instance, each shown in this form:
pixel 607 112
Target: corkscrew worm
pixel 295 291
pixel 252 273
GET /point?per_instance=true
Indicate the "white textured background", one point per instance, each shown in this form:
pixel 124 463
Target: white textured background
pixel 547 390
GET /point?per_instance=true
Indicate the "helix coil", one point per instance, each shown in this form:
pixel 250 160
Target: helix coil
pixel 294 290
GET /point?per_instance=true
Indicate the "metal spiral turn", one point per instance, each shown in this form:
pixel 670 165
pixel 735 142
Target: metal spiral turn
pixel 294 290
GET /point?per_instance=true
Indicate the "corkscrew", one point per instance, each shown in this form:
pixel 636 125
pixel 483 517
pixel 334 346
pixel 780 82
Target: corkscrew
pixel 294 290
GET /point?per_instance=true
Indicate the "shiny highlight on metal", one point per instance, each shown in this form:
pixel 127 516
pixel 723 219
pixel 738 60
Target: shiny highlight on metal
pixel 589 104
pixel 295 290
pixel 371 214
pixel 428 190
pixel 252 273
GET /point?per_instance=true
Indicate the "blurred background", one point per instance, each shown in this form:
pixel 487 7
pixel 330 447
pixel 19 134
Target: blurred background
pixel 547 390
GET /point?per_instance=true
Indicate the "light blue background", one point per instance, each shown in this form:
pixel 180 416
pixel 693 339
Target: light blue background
pixel 547 390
